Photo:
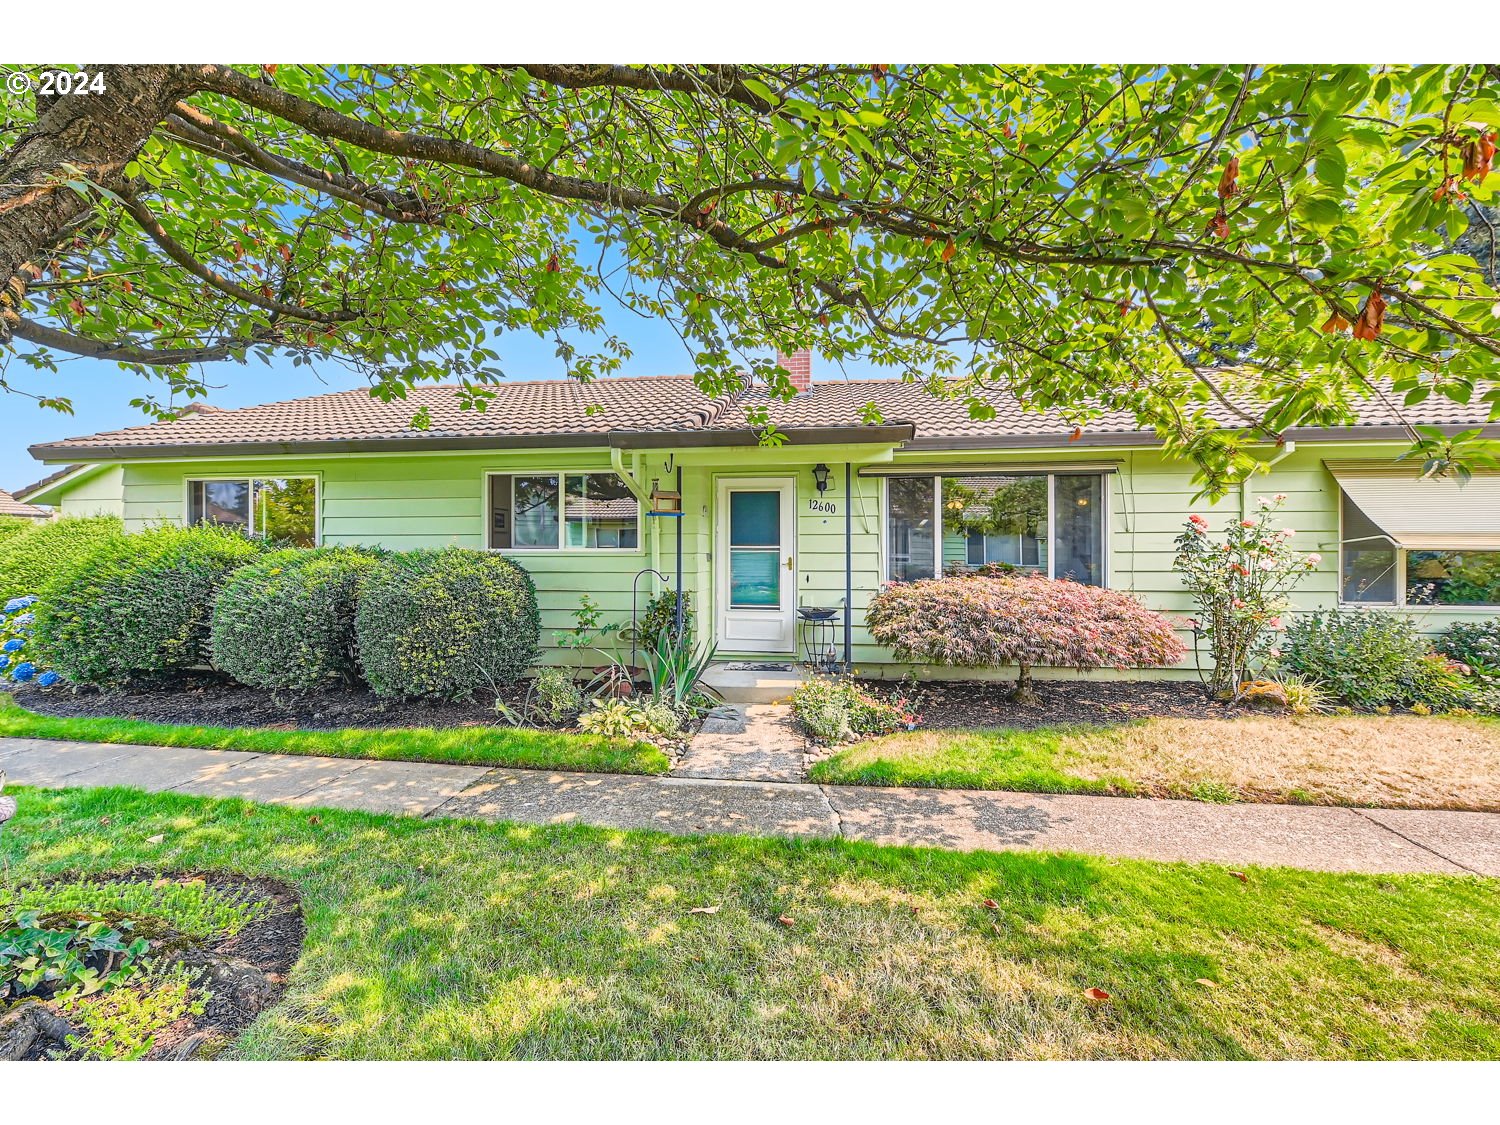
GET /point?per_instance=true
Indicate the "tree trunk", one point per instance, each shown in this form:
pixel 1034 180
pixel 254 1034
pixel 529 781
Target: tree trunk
pixel 97 135
pixel 1023 692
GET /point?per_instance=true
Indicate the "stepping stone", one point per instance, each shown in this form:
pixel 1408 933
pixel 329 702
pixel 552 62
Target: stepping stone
pixel 760 743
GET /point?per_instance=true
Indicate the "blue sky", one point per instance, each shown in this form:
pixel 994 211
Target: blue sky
pixel 101 392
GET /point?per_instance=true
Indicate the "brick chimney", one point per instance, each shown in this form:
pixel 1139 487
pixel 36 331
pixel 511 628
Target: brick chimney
pixel 799 366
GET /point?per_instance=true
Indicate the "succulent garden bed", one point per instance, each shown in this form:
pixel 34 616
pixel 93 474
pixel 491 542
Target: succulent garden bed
pixel 141 964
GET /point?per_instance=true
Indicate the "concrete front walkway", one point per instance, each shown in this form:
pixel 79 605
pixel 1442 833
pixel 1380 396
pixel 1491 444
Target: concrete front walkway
pixel 1319 838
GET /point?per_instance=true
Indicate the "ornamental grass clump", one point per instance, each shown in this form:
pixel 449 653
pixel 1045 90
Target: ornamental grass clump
pixel 139 606
pixel 34 557
pixel 1242 587
pixel 446 623
pixel 991 622
pixel 285 622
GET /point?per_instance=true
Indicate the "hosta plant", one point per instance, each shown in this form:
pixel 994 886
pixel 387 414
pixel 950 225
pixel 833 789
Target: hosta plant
pixel 991 622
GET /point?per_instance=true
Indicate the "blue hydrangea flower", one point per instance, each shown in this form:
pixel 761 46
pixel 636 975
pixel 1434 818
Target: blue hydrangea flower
pixel 4 662
pixel 47 679
pixel 15 644
pixel 15 604
pixel 23 672
pixel 24 619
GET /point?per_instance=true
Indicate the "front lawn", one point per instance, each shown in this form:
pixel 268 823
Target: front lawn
pixel 467 745
pixel 1401 761
pixel 442 939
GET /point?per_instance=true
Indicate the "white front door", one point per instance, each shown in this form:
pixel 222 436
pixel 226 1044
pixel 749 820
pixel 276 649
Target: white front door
pixel 755 564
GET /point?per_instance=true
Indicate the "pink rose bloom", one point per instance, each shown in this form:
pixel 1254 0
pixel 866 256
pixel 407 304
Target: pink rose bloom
pixel 1267 564
pixel 1314 559
pixel 1281 497
pixel 1275 623
pixel 1197 521
pixel 1247 523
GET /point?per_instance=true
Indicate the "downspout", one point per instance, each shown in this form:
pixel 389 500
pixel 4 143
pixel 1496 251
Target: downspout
pixel 642 495
pixel 677 578
pixel 848 567
pixel 1286 451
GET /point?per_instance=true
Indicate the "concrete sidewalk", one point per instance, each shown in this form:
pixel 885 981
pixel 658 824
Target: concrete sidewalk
pixel 1314 837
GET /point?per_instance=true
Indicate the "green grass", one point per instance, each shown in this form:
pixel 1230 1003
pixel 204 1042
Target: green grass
pixel 1028 761
pixel 441 939
pixel 479 746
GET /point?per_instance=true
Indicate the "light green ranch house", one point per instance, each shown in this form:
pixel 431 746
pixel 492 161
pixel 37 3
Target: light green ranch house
pixel 564 478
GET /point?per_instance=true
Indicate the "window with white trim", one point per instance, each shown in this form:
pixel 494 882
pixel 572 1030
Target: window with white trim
pixel 1375 569
pixel 1046 523
pixel 562 512
pixel 281 509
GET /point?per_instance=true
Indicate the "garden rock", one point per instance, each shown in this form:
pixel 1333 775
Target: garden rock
pixel 1264 695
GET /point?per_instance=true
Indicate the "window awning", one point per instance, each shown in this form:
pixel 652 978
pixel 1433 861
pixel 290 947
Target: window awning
pixel 1436 514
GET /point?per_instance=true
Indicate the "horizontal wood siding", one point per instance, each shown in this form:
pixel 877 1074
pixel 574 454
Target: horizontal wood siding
pixel 436 500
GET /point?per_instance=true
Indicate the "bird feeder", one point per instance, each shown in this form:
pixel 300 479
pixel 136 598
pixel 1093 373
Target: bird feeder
pixel 664 501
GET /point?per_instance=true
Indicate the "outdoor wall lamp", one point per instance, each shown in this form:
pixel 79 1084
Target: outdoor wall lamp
pixel 820 476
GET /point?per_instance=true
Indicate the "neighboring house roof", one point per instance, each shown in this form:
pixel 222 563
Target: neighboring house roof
pixel 10 506
pixel 663 410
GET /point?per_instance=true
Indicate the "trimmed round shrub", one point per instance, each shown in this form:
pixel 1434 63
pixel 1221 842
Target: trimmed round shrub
pixel 285 622
pixel 31 559
pixel 445 623
pixel 989 622
pixel 140 605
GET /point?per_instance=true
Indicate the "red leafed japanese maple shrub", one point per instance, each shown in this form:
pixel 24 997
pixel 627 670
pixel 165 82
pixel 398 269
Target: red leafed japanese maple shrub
pixel 990 622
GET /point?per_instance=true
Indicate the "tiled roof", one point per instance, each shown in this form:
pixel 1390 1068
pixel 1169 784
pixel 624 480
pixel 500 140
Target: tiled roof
pixel 547 412
pixel 10 506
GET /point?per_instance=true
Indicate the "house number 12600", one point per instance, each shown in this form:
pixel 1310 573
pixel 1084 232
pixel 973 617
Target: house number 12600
pixel 827 507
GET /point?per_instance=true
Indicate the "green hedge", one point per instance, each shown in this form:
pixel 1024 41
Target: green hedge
pixel 445 623
pixel 140 605
pixel 285 622
pixel 11 526
pixel 32 559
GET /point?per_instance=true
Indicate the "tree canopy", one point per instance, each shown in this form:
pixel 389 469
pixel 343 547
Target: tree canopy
pixel 1226 251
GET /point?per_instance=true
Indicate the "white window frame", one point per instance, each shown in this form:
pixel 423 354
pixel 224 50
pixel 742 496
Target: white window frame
pixel 250 479
pixel 1105 530
pixel 562 522
pixel 1400 601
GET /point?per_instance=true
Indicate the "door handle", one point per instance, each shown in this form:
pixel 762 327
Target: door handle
pixel 789 563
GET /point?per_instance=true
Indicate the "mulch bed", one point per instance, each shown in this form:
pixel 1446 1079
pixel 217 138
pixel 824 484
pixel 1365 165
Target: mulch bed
pixel 244 974
pixel 212 700
pixel 945 705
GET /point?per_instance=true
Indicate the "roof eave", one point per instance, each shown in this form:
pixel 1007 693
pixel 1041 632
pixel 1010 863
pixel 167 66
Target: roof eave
pixel 627 439
pixel 1145 438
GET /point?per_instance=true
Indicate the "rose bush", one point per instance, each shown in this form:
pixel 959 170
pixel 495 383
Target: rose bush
pixel 990 622
pixel 1242 587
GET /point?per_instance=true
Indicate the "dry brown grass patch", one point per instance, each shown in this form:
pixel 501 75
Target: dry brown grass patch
pixel 1395 760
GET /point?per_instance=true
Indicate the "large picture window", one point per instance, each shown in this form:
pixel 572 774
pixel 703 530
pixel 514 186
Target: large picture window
pixel 1045 523
pixel 562 511
pixel 1376 569
pixel 281 509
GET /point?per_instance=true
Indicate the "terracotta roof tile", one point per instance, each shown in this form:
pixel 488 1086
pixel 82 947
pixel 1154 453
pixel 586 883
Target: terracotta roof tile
pixel 655 404
pixel 10 506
